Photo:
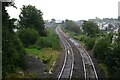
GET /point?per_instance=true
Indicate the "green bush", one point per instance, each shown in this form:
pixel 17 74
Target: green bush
pixel 28 36
pixel 113 59
pixel 12 51
pixel 51 40
pixel 84 38
pixel 90 43
pixel 101 47
pixel 72 26
pixel 43 42
pixel 90 28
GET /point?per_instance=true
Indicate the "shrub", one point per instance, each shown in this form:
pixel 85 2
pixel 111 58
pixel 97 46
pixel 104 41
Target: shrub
pixel 113 59
pixel 43 42
pixel 72 26
pixel 101 47
pixel 90 28
pixel 51 40
pixel 28 36
pixel 84 38
pixel 90 43
pixel 12 52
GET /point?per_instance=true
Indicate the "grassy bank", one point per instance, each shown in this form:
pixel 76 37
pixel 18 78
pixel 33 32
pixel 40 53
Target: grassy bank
pixel 79 37
pixel 20 74
pixel 46 49
pixel 47 55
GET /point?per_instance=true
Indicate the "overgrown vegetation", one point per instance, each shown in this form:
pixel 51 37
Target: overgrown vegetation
pixel 38 40
pixel 31 38
pixel 105 50
pixel 72 26
pixel 47 55
pixel 28 36
pixel 12 50
pixel 51 40
pixel 112 60
pixel 46 48
pixel 90 28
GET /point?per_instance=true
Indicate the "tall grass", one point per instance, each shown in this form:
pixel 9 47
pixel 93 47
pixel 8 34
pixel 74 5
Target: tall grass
pixel 47 55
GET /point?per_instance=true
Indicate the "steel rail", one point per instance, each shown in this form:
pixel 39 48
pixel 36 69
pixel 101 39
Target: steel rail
pixel 63 67
pixel 83 60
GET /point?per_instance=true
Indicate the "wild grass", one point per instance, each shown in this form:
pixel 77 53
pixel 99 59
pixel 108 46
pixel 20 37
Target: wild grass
pixel 104 70
pixel 19 73
pixel 47 55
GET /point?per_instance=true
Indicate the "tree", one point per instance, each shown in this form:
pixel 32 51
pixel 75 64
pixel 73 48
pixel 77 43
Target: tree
pixel 53 23
pixel 90 43
pixel 53 20
pixel 72 26
pixel 90 28
pixel 110 28
pixel 30 17
pixel 113 59
pixel 101 47
pixel 28 36
pixel 12 50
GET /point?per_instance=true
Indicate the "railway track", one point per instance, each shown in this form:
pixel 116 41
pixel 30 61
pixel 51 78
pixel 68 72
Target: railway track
pixel 67 68
pixel 88 66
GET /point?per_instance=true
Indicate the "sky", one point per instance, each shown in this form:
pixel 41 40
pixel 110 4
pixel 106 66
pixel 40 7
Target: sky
pixel 69 9
pixel 119 8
